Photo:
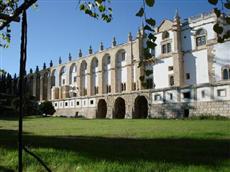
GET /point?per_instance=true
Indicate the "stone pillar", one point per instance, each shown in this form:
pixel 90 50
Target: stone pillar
pixel 100 82
pixel 60 92
pixel 129 78
pixel 177 53
pixel 65 92
pixel 49 88
pixel 78 86
pixel 89 87
pixel 113 80
pixel 41 88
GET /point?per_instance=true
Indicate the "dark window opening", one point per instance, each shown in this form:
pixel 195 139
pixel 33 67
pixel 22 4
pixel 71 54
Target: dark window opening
pixel 187 75
pixel 187 95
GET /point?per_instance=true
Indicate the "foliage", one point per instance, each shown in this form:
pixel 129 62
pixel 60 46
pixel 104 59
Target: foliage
pixel 118 145
pixel 208 117
pixel 47 108
pixel 30 105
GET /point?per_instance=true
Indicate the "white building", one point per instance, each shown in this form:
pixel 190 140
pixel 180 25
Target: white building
pixel 191 76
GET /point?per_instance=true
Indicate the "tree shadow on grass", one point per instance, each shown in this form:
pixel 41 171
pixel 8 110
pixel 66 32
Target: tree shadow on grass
pixel 4 169
pixel 181 151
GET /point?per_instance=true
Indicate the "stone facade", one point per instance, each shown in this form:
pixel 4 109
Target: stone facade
pixel 189 76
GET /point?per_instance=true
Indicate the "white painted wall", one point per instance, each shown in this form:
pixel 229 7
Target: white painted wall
pixel 161 73
pixel 196 64
pixel 221 58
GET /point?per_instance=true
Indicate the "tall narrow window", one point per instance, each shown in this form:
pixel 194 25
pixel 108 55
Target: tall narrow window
pixel 171 80
pixel 225 74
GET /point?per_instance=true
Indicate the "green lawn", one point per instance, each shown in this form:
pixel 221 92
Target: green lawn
pixel 119 145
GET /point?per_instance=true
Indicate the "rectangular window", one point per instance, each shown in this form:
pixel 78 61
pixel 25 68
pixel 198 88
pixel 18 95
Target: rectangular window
pixel 63 81
pixel 55 104
pixel 170 96
pixel 163 49
pixel 109 89
pixel 203 94
pixel 78 103
pixel 66 103
pixel 91 102
pixel 75 79
pixel 169 49
pixel 157 97
pixel 134 85
pixel 187 95
pixel 170 68
pixel 171 80
pixel 187 75
pixel 221 93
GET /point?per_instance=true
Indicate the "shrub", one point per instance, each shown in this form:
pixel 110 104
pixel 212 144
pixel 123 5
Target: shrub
pixel 47 108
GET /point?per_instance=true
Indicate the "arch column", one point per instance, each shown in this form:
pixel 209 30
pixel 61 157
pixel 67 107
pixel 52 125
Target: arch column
pixel 113 80
pixel 41 88
pixel 100 82
pixel 49 88
pixel 89 81
pixel 129 78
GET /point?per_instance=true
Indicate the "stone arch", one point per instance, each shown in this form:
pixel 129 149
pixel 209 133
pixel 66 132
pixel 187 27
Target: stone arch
pixel 73 74
pixel 62 76
pixel 120 70
pixel 106 74
pixel 140 107
pixel 94 76
pixel 101 109
pixel 45 77
pixel 119 108
pixel 83 78
pixel 53 78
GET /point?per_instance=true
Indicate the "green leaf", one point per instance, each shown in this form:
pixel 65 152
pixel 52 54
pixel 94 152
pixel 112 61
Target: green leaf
pixel 227 20
pixel 140 13
pixel 213 2
pixel 227 5
pixel 101 8
pixel 151 22
pixel 151 44
pixel 82 7
pixel 217 12
pixel 146 27
pixel 148 72
pixel 152 37
pixel 150 3
pixel 218 29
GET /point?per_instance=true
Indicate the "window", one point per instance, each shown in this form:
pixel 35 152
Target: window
pixel 55 104
pixel 63 81
pixel 134 86
pixel 169 47
pixel 66 103
pixel 123 86
pixel 166 48
pixel 91 102
pixel 187 95
pixel 221 93
pixel 96 90
pixel 75 79
pixel 149 83
pixel 78 103
pixel 170 96
pixel 165 35
pixel 170 68
pixel 187 75
pixel 203 94
pixel 157 97
pixel 226 73
pixel 163 49
pixel 200 37
pixel 171 80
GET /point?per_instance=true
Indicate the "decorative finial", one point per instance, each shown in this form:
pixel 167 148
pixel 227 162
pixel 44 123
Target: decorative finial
pixel 130 36
pixel 177 15
pixel 51 63
pixel 15 76
pixel 80 53
pixel 90 50
pixel 70 57
pixel 31 70
pixel 114 43
pixel 37 69
pixel 101 46
pixel 44 65
pixel 60 60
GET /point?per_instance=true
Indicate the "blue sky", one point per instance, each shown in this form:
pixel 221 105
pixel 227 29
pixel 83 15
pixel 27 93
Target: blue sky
pixel 57 28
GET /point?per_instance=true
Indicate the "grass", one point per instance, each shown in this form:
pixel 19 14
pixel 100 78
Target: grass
pixel 68 145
